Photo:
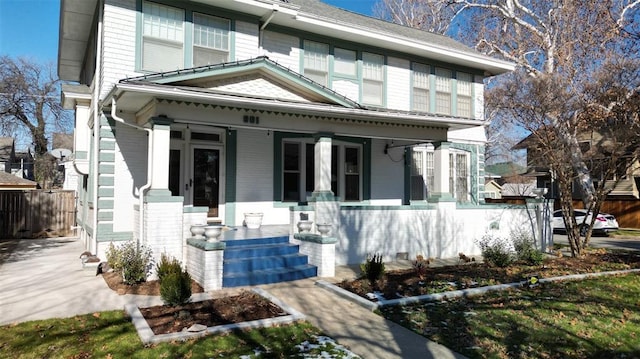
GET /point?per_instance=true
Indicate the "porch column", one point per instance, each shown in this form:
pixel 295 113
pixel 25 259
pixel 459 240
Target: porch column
pixel 441 190
pixel 322 157
pixel 160 154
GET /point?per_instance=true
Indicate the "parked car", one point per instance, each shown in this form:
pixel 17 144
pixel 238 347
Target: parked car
pixel 604 223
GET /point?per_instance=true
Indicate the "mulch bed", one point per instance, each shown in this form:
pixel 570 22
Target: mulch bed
pixel 403 283
pixel 162 319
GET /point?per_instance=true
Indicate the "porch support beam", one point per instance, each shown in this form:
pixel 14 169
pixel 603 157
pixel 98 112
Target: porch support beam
pixel 441 190
pixel 160 150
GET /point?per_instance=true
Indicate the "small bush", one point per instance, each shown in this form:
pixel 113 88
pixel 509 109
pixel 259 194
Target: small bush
pixel 420 266
pixel 167 265
pixel 175 288
pixel 526 250
pixel 373 267
pixel 131 260
pixel 495 251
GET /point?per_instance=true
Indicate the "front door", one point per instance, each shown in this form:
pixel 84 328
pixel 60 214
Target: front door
pixel 205 182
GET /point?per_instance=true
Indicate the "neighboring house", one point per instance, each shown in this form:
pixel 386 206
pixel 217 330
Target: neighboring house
pixel 7 154
pixel 199 111
pixel 623 200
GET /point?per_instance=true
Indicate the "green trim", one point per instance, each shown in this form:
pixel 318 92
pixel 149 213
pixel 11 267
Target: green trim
pixel 301 208
pixel 107 145
pixel 206 246
pixel 324 196
pixel 81 155
pixel 107 157
pixel 231 172
pixel 105 216
pixel 160 196
pixel 105 180
pixel 315 238
pixel 474 168
pixel 105 192
pixel 441 197
pixel 196 209
pixel 407 176
pixel 106 121
pixel 108 168
pixel 416 207
pixel 110 236
pixel 105 204
pixel 107 133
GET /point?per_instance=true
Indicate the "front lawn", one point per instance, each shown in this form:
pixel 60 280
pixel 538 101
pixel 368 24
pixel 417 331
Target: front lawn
pixel 111 335
pixel 594 318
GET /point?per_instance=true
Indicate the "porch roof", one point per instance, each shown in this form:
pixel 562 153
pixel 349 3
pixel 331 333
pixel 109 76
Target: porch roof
pixel 186 86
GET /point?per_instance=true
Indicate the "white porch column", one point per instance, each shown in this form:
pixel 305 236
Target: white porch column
pixel 160 153
pixel 322 157
pixel 441 189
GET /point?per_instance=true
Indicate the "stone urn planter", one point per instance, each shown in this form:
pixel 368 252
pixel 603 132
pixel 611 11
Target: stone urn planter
pixel 197 230
pixel 213 232
pixel 253 220
pixel 304 226
pixel 323 228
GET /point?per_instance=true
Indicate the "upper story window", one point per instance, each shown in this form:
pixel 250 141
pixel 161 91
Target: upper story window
pixel 344 62
pixel 421 86
pixel 316 61
pixel 162 37
pixel 463 96
pixel 210 40
pixel 443 91
pixel 372 79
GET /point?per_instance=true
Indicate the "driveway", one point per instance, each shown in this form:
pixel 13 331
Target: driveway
pixel 628 243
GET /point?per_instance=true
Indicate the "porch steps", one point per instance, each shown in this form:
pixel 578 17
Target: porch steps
pixel 263 261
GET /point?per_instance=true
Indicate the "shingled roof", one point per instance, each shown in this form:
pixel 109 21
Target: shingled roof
pixel 15 182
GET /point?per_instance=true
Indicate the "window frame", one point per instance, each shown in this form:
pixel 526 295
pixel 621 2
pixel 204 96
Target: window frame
pixel 367 81
pixel 309 62
pixel 226 51
pixel 303 147
pixel 421 82
pixel 460 84
pixel 454 176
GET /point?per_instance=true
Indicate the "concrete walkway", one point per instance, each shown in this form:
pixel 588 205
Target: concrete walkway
pixel 44 278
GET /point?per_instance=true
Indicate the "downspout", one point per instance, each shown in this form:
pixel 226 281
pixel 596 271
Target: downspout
pixel 149 165
pixel 96 122
pixel 264 25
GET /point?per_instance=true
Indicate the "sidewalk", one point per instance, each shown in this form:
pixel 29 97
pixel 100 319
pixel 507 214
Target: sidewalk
pixel 43 278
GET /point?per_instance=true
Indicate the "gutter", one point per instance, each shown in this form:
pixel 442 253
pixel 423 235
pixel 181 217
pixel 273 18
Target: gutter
pixel 143 188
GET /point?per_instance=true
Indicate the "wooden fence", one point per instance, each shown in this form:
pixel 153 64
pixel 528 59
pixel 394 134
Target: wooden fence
pixel 37 213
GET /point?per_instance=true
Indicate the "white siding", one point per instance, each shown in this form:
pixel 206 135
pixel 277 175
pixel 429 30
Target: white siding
pixel 130 174
pixel 246 40
pixel 349 89
pixel 283 49
pixel 398 84
pixel 387 174
pixel 478 91
pixel 119 56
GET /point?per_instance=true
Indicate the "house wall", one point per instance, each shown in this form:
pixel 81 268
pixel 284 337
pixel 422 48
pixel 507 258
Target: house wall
pixel 430 231
pixel 399 80
pixel 119 41
pixel 387 174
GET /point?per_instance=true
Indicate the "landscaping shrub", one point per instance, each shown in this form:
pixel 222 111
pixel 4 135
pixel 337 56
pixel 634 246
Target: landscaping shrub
pixel 175 288
pixel 496 251
pixel 167 265
pixel 373 267
pixel 526 250
pixel 131 260
pixel 420 266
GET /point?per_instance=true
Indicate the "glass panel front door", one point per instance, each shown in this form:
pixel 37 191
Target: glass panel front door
pixel 206 179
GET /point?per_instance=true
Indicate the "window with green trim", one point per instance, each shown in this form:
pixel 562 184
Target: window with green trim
pixel 463 94
pixel 443 91
pixel 372 79
pixel 422 172
pixel 298 170
pixel 421 87
pixel 459 176
pixel 162 37
pixel 316 62
pixel 210 39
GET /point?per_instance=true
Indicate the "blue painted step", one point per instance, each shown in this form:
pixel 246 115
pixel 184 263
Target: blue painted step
pixel 262 261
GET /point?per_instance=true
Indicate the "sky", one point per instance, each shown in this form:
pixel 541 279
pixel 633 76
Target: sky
pixel 29 28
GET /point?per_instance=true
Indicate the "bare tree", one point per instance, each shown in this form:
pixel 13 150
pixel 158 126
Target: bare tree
pixel 429 15
pixel 30 103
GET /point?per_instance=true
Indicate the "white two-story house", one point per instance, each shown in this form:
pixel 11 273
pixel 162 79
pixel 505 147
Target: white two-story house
pixel 210 109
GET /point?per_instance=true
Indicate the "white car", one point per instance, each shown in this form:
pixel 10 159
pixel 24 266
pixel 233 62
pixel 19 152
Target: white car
pixel 604 223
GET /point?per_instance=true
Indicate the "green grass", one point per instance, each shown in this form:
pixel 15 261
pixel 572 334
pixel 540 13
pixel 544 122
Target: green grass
pixel 111 335
pixel 594 318
pixel 626 233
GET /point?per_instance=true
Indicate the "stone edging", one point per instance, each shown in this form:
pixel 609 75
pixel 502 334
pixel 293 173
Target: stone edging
pixel 147 337
pixel 454 293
